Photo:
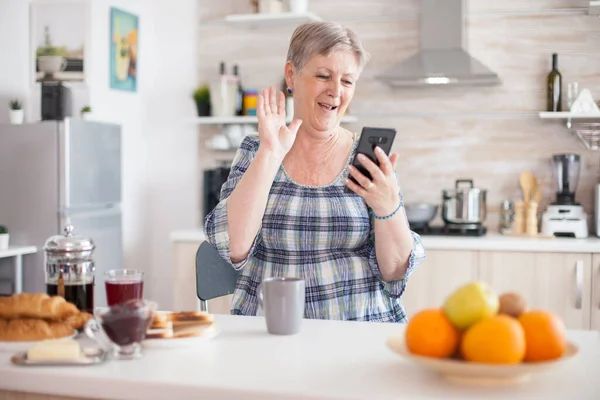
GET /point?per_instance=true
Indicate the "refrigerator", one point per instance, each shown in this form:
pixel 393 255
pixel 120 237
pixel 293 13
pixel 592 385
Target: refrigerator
pixel 55 173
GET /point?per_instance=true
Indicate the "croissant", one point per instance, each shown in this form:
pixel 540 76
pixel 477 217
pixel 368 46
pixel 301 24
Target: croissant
pixel 36 305
pixel 77 321
pixel 26 329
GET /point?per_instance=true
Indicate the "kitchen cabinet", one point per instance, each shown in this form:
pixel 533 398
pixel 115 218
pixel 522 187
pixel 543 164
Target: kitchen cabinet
pixel 567 283
pixel 595 283
pixel 559 282
pixel 441 273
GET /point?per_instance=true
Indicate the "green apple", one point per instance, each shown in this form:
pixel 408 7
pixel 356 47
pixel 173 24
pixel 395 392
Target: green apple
pixel 470 303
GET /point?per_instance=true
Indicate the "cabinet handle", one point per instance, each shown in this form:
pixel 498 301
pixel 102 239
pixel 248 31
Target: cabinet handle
pixel 579 283
pixel 598 273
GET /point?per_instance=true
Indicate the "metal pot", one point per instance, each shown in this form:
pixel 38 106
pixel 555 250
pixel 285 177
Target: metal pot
pixel 464 205
pixel 420 214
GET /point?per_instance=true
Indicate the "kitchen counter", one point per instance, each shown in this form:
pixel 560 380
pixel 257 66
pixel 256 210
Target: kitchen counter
pixel 489 242
pixel 499 242
pixel 326 360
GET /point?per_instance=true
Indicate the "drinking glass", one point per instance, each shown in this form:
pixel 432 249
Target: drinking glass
pixel 572 93
pixel 123 285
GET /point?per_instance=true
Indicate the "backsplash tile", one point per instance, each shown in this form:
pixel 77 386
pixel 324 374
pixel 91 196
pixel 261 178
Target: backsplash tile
pixel 488 134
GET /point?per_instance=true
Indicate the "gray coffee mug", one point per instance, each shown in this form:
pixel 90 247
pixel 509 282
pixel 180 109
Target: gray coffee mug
pixel 282 299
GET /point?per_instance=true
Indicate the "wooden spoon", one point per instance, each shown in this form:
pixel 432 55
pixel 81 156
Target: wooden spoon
pixel 528 184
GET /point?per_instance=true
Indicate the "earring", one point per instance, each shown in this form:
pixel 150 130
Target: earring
pixel 289 91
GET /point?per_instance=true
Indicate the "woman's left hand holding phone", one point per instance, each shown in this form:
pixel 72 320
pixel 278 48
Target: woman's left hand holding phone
pixel 382 194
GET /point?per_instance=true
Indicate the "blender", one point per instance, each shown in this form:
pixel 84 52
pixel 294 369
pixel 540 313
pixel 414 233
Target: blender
pixel 565 217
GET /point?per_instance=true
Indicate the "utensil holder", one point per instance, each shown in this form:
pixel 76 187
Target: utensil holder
pixel 519 224
pixel 531 227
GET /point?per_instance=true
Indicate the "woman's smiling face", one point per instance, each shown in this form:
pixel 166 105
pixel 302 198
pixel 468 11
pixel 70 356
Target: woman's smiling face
pixel 323 89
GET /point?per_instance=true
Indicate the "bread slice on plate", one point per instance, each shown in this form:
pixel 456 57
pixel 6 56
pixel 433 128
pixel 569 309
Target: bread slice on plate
pixel 182 324
pixel 190 316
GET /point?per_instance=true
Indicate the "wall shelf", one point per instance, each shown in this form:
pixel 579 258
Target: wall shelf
pixel 266 20
pixel 567 115
pixel 580 125
pixel 349 119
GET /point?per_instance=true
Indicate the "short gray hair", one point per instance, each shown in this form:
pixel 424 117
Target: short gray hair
pixel 323 38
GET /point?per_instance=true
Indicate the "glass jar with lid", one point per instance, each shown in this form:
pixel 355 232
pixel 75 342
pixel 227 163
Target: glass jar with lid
pixel 507 216
pixel 70 268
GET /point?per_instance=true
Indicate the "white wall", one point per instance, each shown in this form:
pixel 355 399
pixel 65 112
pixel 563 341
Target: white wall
pixel 173 165
pixel 172 185
pixel 14 52
pixel 160 165
pixel 124 108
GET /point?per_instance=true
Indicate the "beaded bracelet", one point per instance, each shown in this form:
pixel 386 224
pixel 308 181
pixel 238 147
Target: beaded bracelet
pixel 392 214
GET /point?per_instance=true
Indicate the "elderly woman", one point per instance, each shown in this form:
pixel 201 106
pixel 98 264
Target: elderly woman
pixel 283 210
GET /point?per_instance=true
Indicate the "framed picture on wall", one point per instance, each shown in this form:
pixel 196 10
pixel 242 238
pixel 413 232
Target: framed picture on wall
pixel 123 32
pixel 58 32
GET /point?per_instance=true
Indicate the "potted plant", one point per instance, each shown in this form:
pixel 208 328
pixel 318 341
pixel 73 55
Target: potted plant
pixel 49 57
pixel 3 237
pixel 85 112
pixel 15 113
pixel 202 99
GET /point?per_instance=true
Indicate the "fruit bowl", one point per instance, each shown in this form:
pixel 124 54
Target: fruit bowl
pixel 461 371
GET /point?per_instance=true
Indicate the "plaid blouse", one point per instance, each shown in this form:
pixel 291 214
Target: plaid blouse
pixel 318 233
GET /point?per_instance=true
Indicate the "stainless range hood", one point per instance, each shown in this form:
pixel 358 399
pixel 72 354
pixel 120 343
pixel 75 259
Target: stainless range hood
pixel 442 58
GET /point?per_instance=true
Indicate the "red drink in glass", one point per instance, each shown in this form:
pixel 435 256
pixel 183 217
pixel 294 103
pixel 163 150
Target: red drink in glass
pixel 123 285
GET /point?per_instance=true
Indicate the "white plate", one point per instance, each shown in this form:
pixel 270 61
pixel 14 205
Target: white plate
pixel 479 373
pixel 24 346
pixel 175 343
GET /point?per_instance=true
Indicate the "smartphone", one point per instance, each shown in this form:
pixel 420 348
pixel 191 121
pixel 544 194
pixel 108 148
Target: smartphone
pixel 371 137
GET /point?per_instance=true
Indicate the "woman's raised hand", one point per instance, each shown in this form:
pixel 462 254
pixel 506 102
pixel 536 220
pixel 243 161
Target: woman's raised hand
pixel 274 135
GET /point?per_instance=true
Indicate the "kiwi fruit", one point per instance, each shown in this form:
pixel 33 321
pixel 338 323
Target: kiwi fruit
pixel 512 304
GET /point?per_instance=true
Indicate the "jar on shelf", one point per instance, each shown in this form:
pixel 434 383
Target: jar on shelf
pixel 507 216
pixel 250 101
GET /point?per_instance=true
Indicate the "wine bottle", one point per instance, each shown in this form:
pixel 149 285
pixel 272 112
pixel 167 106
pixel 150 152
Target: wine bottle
pixel 554 87
pixel 239 100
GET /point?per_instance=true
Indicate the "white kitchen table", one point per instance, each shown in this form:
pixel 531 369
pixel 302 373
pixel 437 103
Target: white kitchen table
pixel 327 360
pixel 17 252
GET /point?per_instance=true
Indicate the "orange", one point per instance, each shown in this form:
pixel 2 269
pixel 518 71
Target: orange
pixel 544 335
pixel 430 333
pixel 498 339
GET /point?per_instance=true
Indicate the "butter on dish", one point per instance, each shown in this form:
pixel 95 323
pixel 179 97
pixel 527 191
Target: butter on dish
pixel 61 349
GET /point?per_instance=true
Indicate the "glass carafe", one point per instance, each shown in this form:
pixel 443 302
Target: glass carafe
pixel 70 269
pixel 566 173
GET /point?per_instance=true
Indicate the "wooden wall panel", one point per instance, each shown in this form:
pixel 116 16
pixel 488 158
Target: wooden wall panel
pixel 489 134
